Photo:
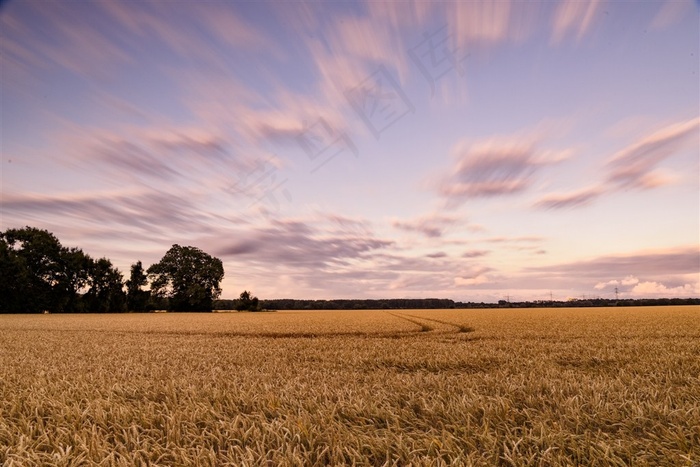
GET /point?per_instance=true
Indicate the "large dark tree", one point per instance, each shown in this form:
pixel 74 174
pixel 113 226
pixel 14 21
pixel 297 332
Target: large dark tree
pixel 136 297
pixel 13 281
pixel 38 274
pixel 74 275
pixel 106 292
pixel 188 277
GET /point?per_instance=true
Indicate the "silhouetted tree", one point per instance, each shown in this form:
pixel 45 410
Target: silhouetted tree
pixel 246 302
pixel 136 297
pixel 188 277
pixel 41 274
pixel 106 292
pixel 73 276
pixel 14 282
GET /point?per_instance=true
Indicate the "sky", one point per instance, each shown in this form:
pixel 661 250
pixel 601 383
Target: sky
pixel 470 150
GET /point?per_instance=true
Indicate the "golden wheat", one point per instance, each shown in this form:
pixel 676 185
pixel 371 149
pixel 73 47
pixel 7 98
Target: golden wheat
pixel 428 387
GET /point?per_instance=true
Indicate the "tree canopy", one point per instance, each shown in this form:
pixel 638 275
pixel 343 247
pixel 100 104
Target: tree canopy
pixel 38 274
pixel 136 297
pixel 247 302
pixel 188 277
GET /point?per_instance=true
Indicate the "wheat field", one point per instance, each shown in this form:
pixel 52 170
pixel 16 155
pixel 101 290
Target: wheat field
pixel 529 387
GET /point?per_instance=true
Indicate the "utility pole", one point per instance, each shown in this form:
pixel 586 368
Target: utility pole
pixel 616 293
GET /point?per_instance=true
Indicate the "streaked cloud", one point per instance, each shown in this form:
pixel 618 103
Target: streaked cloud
pixel 437 254
pixel 670 12
pixel 76 43
pixel 143 214
pixel 431 226
pixel 635 166
pixel 570 200
pixel 477 277
pixel 574 17
pixel 298 244
pixel 647 265
pixel 495 167
pixel 475 253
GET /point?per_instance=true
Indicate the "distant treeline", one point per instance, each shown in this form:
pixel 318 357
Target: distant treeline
pixel 443 303
pixel 344 304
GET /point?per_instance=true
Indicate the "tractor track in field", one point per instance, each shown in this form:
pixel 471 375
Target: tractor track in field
pixel 414 319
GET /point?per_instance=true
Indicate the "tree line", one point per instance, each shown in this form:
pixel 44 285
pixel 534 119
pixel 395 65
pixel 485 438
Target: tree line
pixel 38 274
pixel 445 303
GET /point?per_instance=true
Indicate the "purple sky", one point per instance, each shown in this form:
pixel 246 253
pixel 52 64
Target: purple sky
pixel 467 150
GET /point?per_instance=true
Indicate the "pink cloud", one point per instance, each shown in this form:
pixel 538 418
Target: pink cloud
pixel 431 226
pixel 633 166
pixel 495 167
pixel 656 289
pixel 574 16
pixel 570 200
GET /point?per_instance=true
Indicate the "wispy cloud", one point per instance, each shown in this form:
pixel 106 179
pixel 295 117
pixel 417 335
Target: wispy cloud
pixel 475 253
pixel 671 12
pixel 76 43
pixel 127 224
pixel 483 21
pixel 570 200
pixel 632 167
pixel 437 254
pixel 495 167
pixel 574 17
pixel 298 244
pixel 196 32
pixel 655 265
pixel 431 226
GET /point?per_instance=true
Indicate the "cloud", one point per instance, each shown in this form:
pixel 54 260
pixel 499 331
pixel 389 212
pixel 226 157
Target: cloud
pixel 671 12
pixel 655 265
pixel 629 280
pixel 134 160
pixel 158 157
pixel 479 279
pixel 603 285
pixel 148 212
pixel 475 253
pixel 495 167
pixel 431 226
pixel 520 239
pixel 573 16
pixel 656 289
pixel 199 33
pixel 488 22
pixel 438 254
pixel 74 42
pixel 631 167
pixel 296 244
pixel 570 200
